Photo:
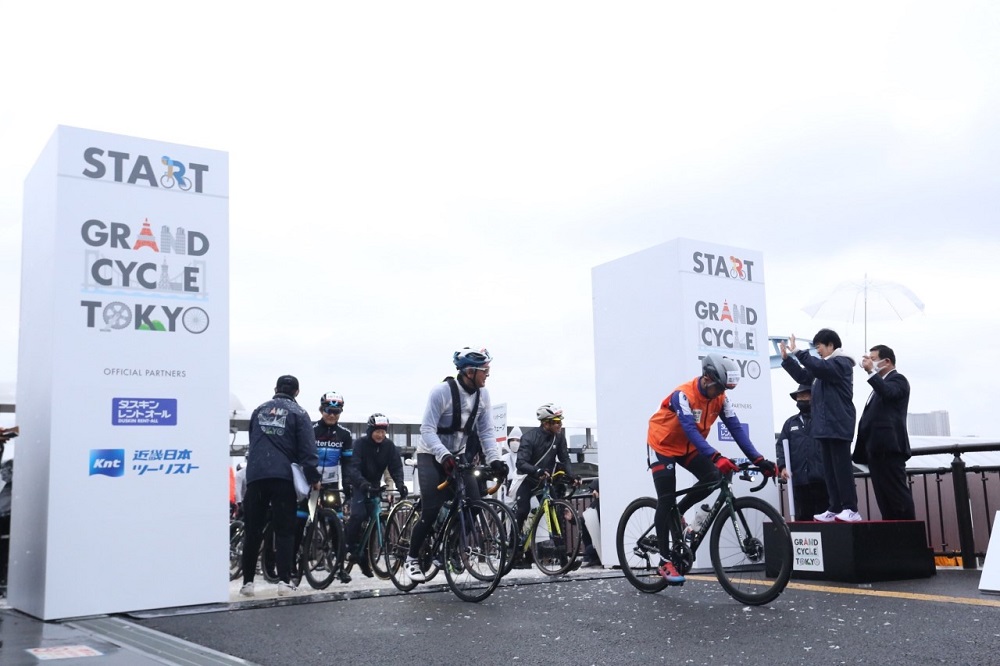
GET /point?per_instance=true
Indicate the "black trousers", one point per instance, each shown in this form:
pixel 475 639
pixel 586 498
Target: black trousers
pixel 810 499
pixel 892 491
pixel 665 482
pixel 279 496
pixel 839 474
pixel 430 475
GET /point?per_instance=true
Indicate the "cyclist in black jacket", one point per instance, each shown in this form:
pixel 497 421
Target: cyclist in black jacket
pixel 543 451
pixel 373 454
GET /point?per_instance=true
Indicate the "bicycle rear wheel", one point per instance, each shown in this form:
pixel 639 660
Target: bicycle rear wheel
pixel 509 522
pixel 474 551
pixel 322 549
pixel 737 549
pixel 235 549
pixel 268 560
pixel 555 541
pixel 268 567
pixel 638 552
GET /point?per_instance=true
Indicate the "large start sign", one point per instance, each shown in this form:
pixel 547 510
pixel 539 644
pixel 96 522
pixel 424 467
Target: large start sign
pixel 123 378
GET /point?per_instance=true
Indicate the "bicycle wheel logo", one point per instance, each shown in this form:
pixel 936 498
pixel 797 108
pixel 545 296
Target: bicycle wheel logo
pixel 118 316
pixel 174 175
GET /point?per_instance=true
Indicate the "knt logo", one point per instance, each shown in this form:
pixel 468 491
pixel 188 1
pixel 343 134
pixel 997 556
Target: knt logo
pixel 107 462
pixel 719 266
pixel 141 169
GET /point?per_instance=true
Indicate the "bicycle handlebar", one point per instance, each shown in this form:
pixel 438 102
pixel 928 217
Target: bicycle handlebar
pixel 746 469
pixel 478 470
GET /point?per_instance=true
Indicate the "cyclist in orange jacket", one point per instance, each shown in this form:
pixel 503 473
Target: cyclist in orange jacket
pixel 677 434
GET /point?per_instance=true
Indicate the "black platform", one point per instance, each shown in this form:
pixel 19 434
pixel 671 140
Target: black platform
pixel 862 552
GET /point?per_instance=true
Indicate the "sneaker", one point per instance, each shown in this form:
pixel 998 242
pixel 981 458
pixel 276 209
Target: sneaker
pixel 587 562
pixel 849 516
pixel 414 571
pixel 670 574
pixel 825 517
pixel 284 589
pixel 247 589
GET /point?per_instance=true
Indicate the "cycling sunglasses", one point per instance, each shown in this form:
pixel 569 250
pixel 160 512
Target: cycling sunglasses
pixel 332 409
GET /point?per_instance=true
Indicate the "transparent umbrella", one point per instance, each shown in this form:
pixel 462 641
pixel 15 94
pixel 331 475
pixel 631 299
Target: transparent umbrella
pixel 868 300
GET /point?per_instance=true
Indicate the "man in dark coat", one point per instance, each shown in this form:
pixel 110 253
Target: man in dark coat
pixel 883 443
pixel 805 467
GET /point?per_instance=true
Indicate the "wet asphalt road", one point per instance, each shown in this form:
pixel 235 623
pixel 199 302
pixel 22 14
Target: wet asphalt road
pixel 603 620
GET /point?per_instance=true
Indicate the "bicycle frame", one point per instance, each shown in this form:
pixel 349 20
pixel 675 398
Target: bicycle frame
pixel 723 501
pixel 546 510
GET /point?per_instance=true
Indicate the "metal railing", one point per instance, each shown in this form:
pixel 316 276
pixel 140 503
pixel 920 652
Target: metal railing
pixel 958 515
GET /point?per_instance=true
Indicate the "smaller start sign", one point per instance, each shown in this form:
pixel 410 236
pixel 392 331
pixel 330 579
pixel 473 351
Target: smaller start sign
pixel 807 551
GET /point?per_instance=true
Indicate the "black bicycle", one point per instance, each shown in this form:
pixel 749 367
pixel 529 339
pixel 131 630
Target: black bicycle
pixel 740 526
pixel 469 542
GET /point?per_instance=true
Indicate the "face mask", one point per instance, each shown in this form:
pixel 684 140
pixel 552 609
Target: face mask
pixel 805 406
pixel 515 444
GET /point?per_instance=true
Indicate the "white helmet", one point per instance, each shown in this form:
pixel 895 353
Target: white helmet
pixel 468 357
pixel 549 412
pixel 333 401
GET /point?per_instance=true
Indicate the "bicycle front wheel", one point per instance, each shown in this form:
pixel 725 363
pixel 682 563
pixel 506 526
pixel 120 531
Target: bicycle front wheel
pixel 398 532
pixel 376 547
pixel 556 537
pixel 638 552
pixel 738 554
pixel 474 550
pixel 322 549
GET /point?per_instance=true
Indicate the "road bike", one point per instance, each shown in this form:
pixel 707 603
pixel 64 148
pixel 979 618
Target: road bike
pixel 370 549
pixel 468 542
pixel 552 533
pixel 739 526
pixel 320 554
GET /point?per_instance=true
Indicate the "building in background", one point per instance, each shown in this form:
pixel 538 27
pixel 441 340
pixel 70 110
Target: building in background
pixel 930 424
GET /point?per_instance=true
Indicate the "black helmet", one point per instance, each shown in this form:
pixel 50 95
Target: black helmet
pixel 721 370
pixel 378 422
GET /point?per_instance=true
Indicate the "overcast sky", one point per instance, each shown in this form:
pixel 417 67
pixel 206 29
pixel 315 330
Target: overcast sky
pixel 425 176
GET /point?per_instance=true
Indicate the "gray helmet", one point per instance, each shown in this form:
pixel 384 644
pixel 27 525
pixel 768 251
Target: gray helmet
pixel 721 370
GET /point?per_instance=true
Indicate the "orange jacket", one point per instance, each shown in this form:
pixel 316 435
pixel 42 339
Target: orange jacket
pixel 667 437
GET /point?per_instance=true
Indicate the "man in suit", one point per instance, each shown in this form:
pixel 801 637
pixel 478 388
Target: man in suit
pixel 883 443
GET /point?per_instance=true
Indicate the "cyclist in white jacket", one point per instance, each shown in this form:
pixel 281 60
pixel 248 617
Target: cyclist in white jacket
pixel 458 410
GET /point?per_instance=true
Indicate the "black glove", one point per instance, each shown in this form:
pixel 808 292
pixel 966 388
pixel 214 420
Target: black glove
pixel 403 491
pixel 365 488
pixel 449 464
pixel 500 469
pixel 767 468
